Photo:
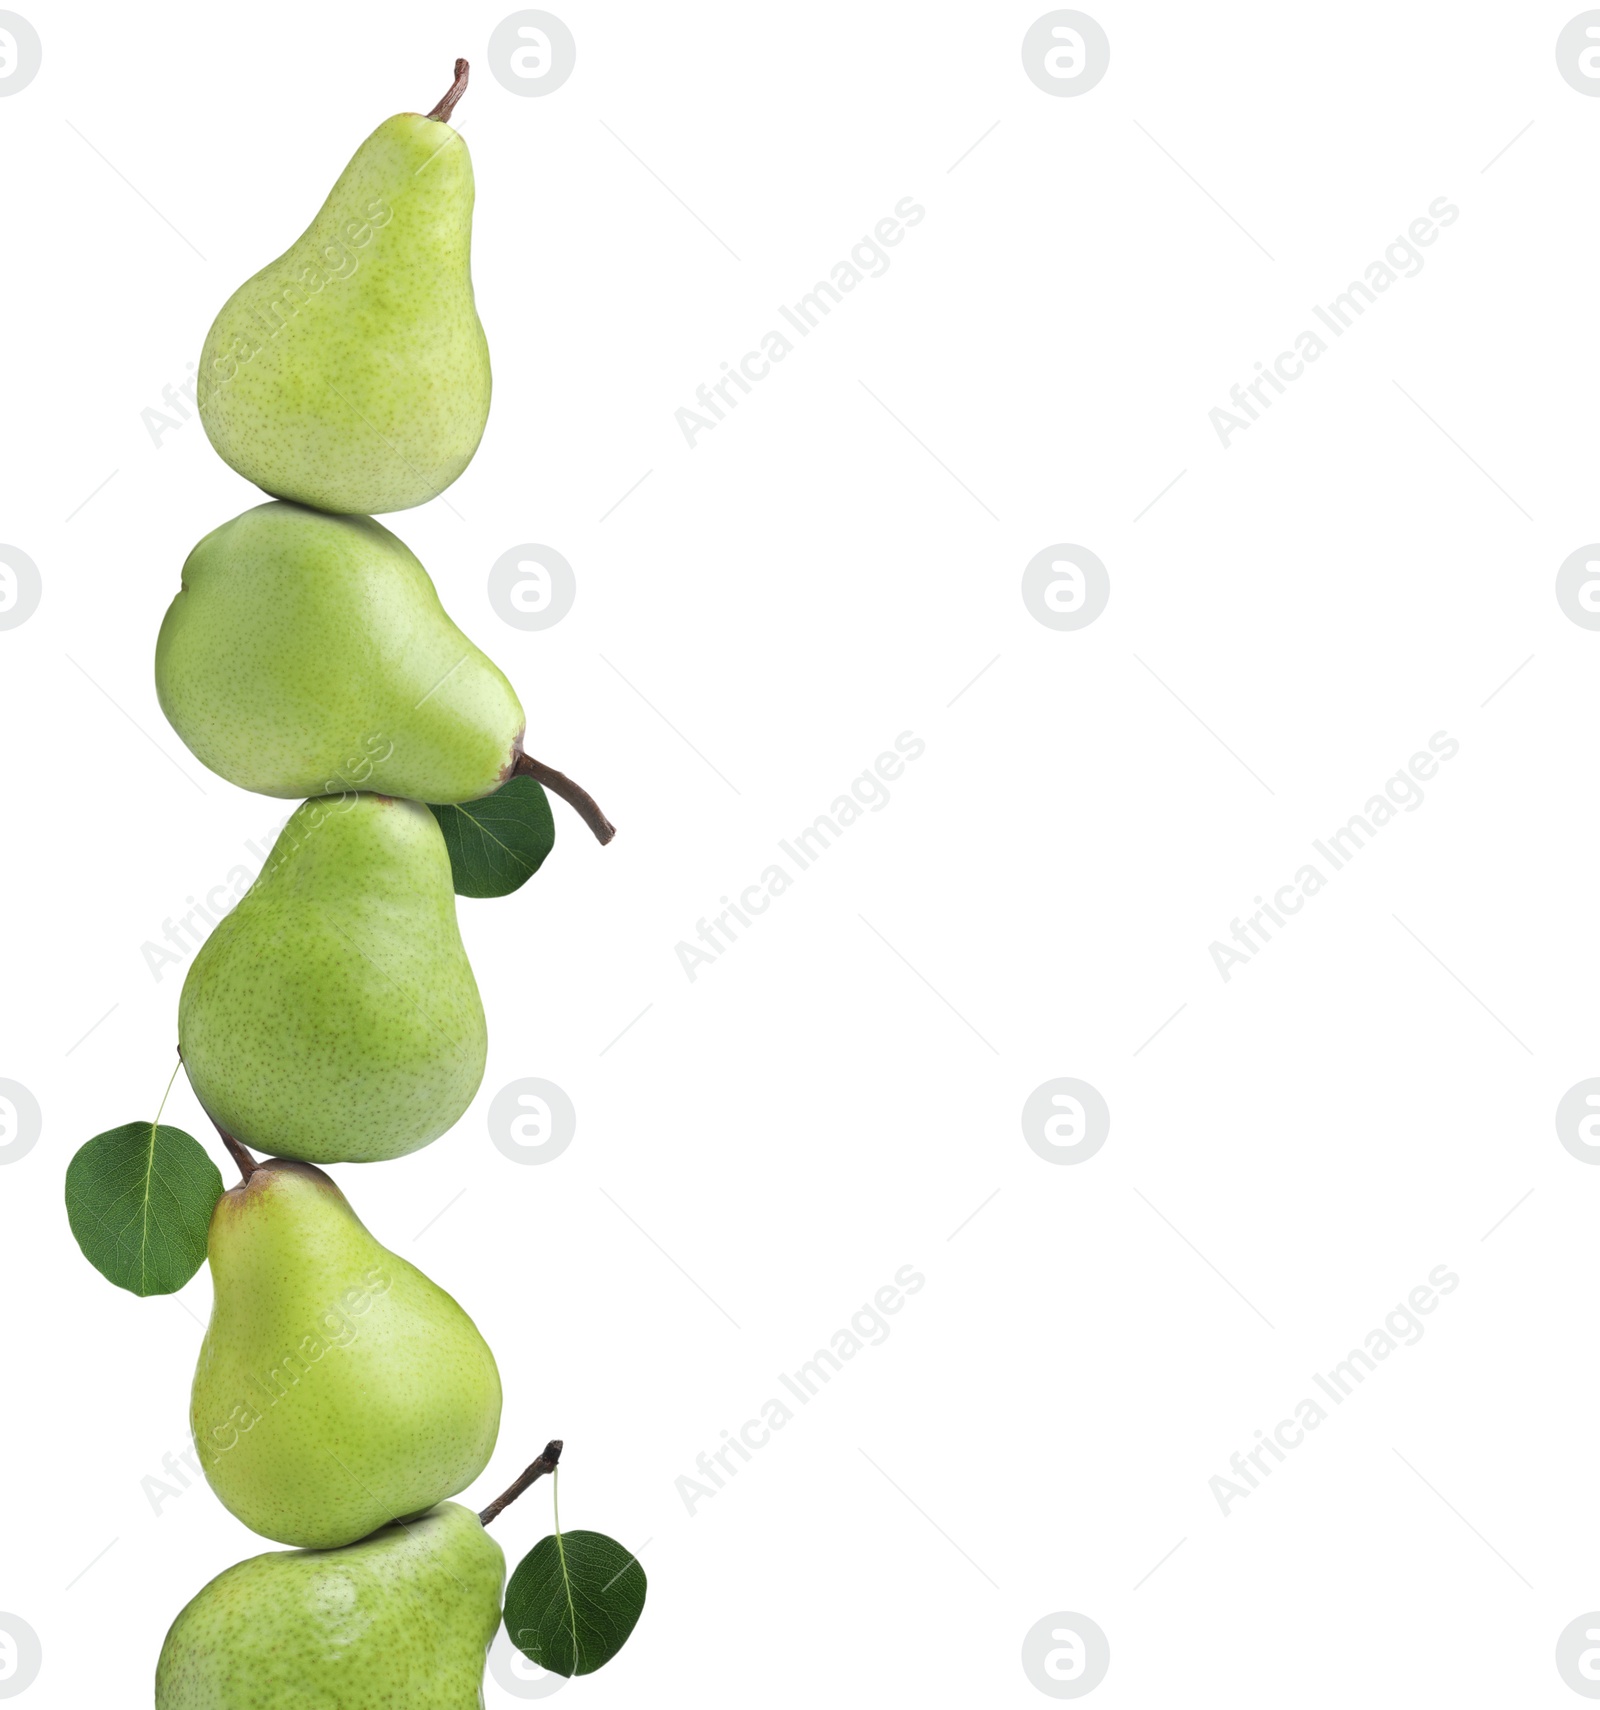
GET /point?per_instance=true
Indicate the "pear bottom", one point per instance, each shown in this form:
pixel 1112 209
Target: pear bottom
pixel 405 1617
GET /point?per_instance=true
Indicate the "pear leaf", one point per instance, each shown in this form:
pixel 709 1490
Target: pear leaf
pixel 139 1199
pixel 498 842
pixel 573 1601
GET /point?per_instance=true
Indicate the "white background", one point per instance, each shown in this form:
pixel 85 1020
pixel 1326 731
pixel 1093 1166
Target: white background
pixel 1363 1101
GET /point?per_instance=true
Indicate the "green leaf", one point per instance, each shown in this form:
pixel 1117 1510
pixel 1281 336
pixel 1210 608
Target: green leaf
pixel 573 1601
pixel 498 842
pixel 139 1199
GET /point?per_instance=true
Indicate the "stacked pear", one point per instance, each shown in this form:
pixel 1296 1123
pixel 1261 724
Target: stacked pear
pixel 306 654
pixel 352 372
pixel 403 1618
pixel 333 1014
pixel 338 1388
pixel 341 1396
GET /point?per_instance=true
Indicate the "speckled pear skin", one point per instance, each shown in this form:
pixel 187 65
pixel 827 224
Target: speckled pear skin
pixel 401 1621
pixel 352 373
pixel 306 654
pixel 333 1015
pixel 338 1388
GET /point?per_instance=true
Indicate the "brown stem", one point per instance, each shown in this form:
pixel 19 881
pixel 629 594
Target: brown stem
pixel 574 795
pixel 545 1463
pixel 240 1154
pixel 447 101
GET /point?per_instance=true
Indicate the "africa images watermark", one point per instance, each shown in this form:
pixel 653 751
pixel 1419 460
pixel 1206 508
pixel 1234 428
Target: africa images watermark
pixel 158 1490
pixel 1404 254
pixel 869 791
pixel 358 771
pixel 1401 1328
pixel 335 1330
pixel 288 1371
pixel 869 259
pixel 185 935
pixel 868 1328
pixel 1403 790
pixel 290 296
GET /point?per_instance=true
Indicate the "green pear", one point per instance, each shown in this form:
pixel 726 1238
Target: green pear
pixel 405 1617
pixel 352 372
pixel 338 1388
pixel 305 654
pixel 333 1016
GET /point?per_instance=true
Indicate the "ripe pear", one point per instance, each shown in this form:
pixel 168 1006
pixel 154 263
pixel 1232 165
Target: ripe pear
pixel 352 372
pixel 338 1388
pixel 405 1617
pixel 333 1016
pixel 305 654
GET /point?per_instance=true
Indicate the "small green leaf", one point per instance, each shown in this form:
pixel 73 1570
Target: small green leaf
pixel 498 842
pixel 573 1601
pixel 139 1199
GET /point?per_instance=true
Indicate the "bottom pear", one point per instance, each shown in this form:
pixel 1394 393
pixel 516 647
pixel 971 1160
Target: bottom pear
pixel 405 1617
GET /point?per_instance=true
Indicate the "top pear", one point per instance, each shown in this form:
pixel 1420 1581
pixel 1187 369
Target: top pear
pixel 352 373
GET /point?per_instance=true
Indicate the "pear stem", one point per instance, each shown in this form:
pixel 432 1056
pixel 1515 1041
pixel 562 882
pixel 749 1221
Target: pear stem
pixel 447 101
pixel 574 795
pixel 240 1154
pixel 545 1463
